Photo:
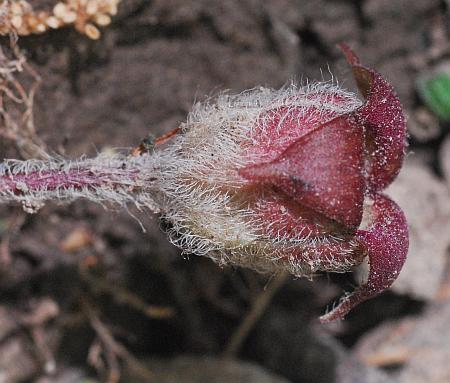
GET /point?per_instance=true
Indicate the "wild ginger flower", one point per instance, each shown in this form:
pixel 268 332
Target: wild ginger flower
pixel 274 180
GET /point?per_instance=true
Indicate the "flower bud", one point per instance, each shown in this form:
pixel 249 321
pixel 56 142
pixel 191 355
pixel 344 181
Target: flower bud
pixel 279 180
pixel 274 180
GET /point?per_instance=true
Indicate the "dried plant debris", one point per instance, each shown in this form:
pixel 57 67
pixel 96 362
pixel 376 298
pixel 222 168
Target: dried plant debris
pixel 18 85
pixel 418 347
pixel 20 16
pixel 27 343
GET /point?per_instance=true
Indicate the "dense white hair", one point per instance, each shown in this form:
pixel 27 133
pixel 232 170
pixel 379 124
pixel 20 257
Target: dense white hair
pixel 193 181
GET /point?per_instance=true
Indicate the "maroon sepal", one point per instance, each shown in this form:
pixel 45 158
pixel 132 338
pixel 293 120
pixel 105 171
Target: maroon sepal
pixel 385 124
pixel 322 170
pixel 386 241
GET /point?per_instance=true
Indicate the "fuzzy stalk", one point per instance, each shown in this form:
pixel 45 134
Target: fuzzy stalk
pixel 105 179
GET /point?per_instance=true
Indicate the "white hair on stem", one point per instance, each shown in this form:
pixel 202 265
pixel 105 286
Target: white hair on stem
pixel 105 179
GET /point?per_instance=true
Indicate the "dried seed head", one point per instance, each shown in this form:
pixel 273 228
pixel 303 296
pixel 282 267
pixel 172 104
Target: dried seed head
pixel 20 17
pixel 92 32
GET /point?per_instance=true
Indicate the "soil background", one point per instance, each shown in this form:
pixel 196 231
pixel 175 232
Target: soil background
pixel 86 294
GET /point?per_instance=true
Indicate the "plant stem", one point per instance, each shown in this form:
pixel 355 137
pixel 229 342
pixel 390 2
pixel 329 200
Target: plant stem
pixel 106 178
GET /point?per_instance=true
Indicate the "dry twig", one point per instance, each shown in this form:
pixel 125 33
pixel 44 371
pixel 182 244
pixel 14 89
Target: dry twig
pixel 113 350
pixel 123 296
pixel 43 311
pixel 257 310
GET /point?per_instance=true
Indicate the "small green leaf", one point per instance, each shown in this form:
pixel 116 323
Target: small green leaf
pixel 435 93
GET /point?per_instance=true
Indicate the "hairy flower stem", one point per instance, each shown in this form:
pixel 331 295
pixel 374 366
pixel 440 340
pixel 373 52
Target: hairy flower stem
pixel 114 178
pixel 272 180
